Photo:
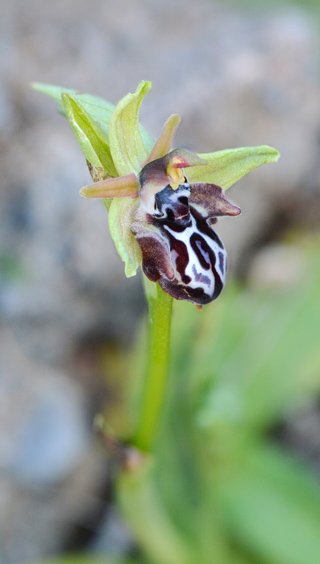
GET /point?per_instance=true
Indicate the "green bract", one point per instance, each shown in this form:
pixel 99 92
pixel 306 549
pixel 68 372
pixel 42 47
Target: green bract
pixel 116 148
pixel 93 140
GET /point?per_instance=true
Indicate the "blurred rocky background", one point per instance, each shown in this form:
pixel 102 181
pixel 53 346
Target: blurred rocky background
pixel 238 75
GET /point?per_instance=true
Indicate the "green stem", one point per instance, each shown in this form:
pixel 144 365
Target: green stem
pixel 155 383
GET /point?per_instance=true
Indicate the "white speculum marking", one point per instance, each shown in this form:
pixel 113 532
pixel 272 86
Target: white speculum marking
pixel 200 277
pixel 197 254
pixel 173 226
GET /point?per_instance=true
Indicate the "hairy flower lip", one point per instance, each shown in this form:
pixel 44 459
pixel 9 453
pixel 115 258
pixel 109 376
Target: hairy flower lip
pixel 173 227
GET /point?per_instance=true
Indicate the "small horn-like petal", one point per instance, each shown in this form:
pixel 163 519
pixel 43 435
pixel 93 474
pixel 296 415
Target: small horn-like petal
pixel 122 187
pixel 212 201
pixel 163 144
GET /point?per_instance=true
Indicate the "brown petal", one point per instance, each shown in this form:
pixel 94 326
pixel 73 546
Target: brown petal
pixel 156 261
pixel 210 199
pixel 122 187
pixel 163 143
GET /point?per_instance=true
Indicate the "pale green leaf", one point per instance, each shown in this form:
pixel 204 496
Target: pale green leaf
pixel 92 139
pixel 271 506
pixel 120 221
pixel 126 144
pixel 99 109
pixel 227 167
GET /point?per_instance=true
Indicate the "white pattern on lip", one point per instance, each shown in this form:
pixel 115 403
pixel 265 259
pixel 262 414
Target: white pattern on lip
pixel 196 252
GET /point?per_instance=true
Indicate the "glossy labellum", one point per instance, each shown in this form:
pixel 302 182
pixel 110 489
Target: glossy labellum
pixel 180 249
pixel 191 262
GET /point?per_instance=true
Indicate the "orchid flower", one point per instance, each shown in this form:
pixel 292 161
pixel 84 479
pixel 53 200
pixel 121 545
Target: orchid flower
pixel 171 221
pixel 162 203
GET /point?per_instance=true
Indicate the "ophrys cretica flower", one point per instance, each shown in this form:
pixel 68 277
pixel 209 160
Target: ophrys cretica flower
pixel 162 204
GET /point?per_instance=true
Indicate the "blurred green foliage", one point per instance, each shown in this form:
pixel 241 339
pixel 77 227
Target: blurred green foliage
pixel 276 4
pixel 10 268
pixel 219 489
pixel 84 559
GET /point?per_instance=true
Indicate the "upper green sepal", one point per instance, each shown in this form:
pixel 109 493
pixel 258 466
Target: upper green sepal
pixel 224 168
pixel 100 110
pixel 128 148
pixel 92 139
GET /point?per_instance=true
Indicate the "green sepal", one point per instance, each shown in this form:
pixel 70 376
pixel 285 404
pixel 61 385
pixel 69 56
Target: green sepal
pixel 120 221
pixel 126 143
pixel 99 109
pixel 224 168
pixel 92 139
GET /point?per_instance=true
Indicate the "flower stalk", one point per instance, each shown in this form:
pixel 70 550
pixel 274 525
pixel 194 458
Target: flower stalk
pixel 155 382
